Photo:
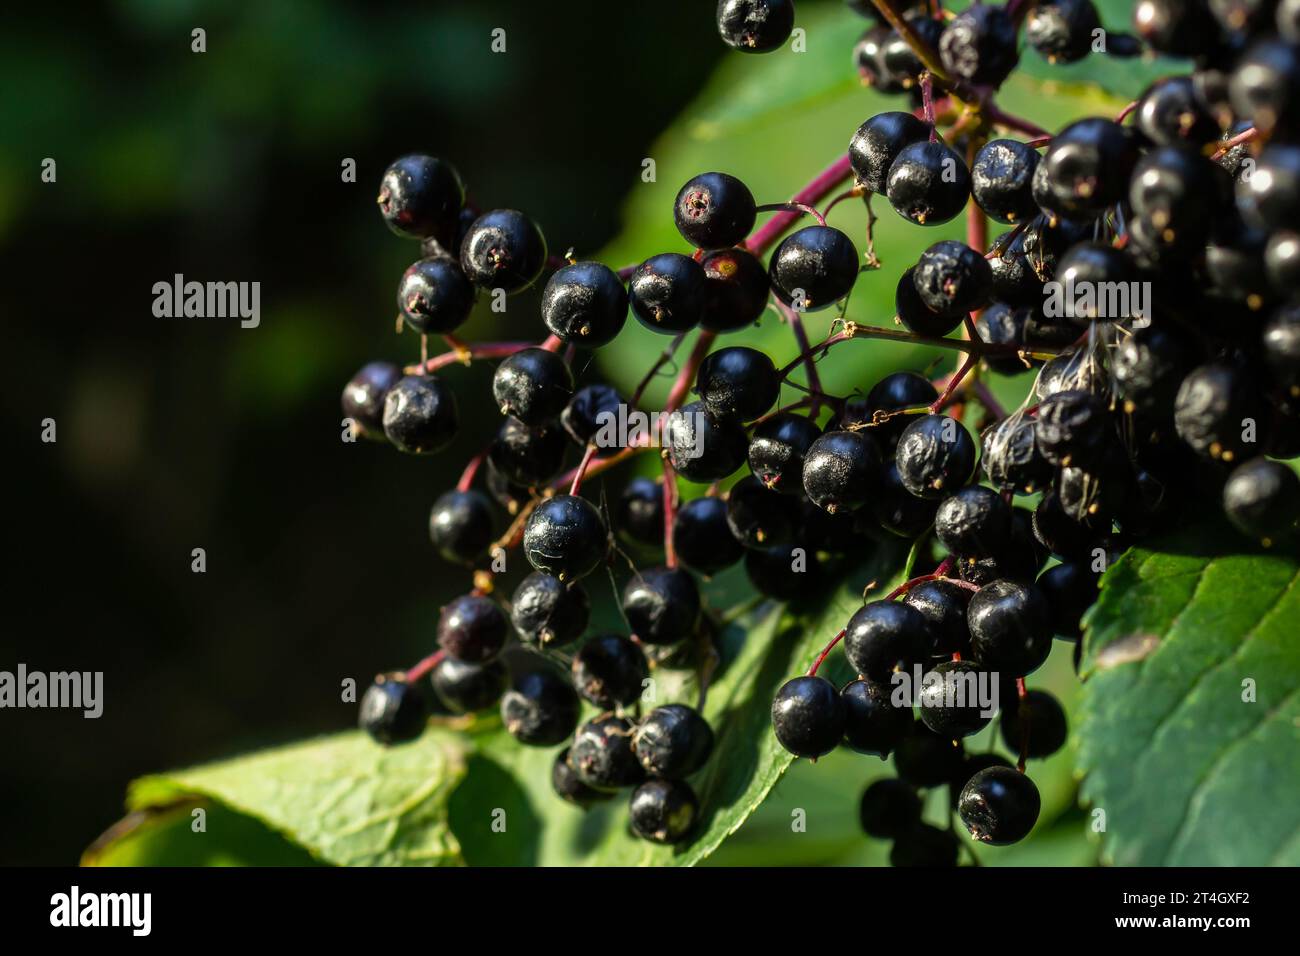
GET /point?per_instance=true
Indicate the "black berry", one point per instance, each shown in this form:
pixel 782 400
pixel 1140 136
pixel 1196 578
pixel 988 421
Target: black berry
pixel 585 304
pixel 808 716
pixel 503 249
pixel 714 210
pixel 548 613
pixel 609 671
pixel 672 742
pixel 420 415
pixel 541 709
pixel 392 710
pixel 566 537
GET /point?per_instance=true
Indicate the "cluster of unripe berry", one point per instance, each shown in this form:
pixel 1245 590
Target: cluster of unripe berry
pixel 1144 403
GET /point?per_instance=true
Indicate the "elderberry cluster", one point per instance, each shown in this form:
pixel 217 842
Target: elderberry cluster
pixel 1148 279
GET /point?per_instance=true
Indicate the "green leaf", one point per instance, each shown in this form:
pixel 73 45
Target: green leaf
pixel 760 653
pixel 1191 707
pixel 343 799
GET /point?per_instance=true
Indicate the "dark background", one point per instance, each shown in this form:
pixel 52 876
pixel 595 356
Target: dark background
pixel 182 433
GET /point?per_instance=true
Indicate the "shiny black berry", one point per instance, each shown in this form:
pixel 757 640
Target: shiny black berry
pixel 896 509
pixel 894 392
pixel 662 605
pixel 461 526
pixel 1034 723
pixel 464 687
pixel 663 811
pixel 974 522
pixel 872 724
pixel 592 414
pixel 1061 31
pixel 999 806
pixel 585 304
pixel 639 513
pixel 1073 428
pixel 841 469
pixel 503 249
pixel 1262 499
pixel 714 211
pixel 878 142
pixel 813 268
pixel 912 311
pixel 420 415
pixel 568 786
pixel 1070 588
pixel 1282 261
pixel 979 45
pixel 1265 87
pixel 541 709
pixel 1270 196
pixel 472 628
pixel 1086 168
pixel 363 397
pixel 950 699
pixel 759 518
pixel 609 670
pixel 1010 627
pixel 672 741
pixel 434 296
pixel 737 382
pixel 889 808
pixel 884 636
pixel 601 754
pixel 1172 113
pixel 943 604
pixel 777 451
pixel 702 539
pixel 565 536
pixel 952 277
pixel 667 293
pixel 533 385
pixel 1002 178
pixel 1212 408
pixel 703 447
pixel 1176 27
pixel 548 613
pixel 392 710
pixel 1086 268
pixel 928 183
pixel 755 26
pixel 935 456
pixel 526 455
pixel 736 290
pixel 808 716
pixel 420 197
pixel 1004 326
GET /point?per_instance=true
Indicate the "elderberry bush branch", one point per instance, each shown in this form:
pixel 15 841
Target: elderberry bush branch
pixel 1189 196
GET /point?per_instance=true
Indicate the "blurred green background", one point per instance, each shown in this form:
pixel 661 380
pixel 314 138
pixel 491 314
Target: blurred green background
pixel 177 434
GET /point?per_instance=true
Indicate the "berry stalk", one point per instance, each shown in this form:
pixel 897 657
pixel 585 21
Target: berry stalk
pixel 822 185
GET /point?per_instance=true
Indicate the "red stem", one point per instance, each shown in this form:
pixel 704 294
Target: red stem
pixel 470 352
pixel 424 666
pixel 812 671
pixel 670 512
pixel 467 476
pixel 1023 712
pixel 581 470
pixel 821 186
pixel 686 376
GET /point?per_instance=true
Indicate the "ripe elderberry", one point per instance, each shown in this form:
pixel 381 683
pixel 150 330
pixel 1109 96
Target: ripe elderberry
pixel 566 537
pixel 464 687
pixel 808 716
pixel 548 613
pixel 667 293
pixel 503 249
pixel 541 709
pixel 434 296
pixel 884 636
pixel 702 539
pixel 662 605
pixel 609 671
pixel 889 808
pixel 778 449
pixel 755 26
pixel 420 197
pixel 392 710
pixel 461 526
pixel 737 382
pixel 672 742
pixel 585 304
pixel 813 268
pixel 878 142
pixel 872 724
pixel 420 415
pixel 840 470
pixel 472 628
pixel 601 754
pixel 1010 628
pixel 533 385
pixel 664 811
pixel 928 183
pixel 999 806
pixel 363 397
pixel 935 455
pixel 714 210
